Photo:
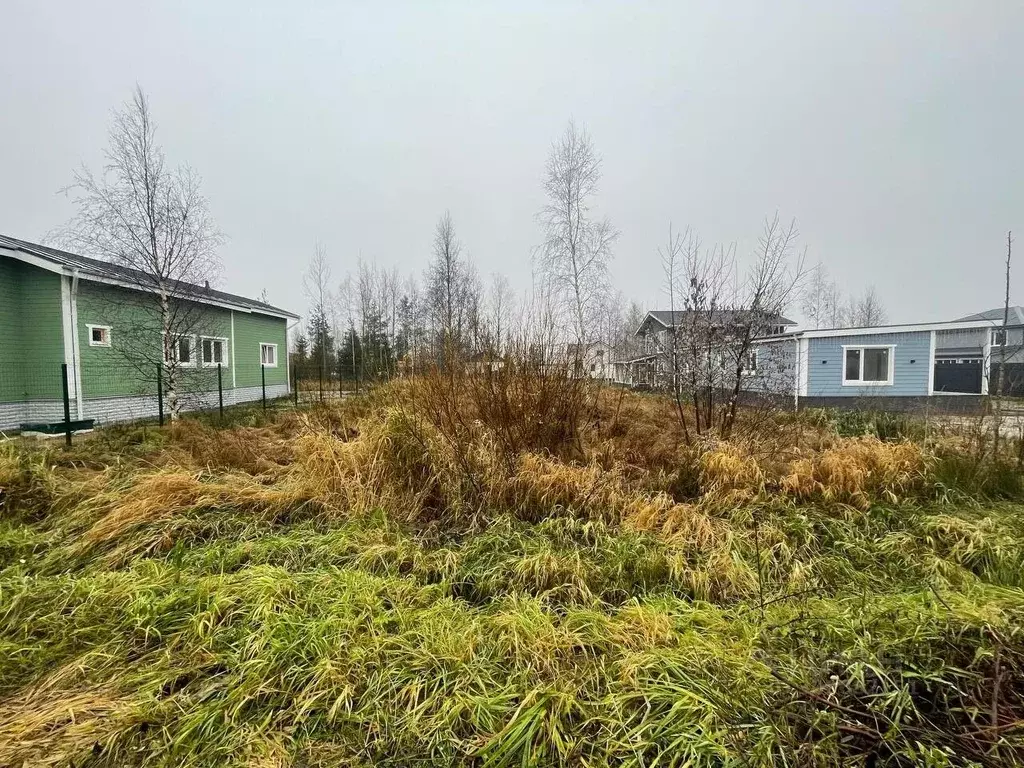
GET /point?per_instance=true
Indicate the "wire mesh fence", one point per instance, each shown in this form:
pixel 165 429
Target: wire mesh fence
pixel 55 397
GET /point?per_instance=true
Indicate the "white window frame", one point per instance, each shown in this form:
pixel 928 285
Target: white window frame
pixel 996 332
pixel 225 357
pixel 264 345
pixel 106 331
pixel 752 356
pixel 192 351
pixel 860 382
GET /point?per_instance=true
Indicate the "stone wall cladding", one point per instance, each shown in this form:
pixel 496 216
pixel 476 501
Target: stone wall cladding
pixel 934 404
pixel 111 410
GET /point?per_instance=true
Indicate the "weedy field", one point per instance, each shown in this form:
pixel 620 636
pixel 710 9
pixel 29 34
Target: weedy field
pixel 512 571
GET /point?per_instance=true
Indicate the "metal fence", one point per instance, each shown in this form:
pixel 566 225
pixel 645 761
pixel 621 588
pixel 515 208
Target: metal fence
pixel 311 383
pixel 57 397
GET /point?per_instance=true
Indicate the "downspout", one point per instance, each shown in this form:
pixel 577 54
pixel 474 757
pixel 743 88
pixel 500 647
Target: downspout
pixel 287 353
pixel 797 377
pixel 77 356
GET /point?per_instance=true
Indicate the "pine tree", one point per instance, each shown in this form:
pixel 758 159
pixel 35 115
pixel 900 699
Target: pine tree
pixel 350 361
pixel 321 348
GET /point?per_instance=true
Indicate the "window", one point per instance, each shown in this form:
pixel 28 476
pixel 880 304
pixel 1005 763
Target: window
pixel 213 351
pixel 998 337
pixel 868 366
pixel 180 351
pixel 99 335
pixel 750 362
pixel 268 355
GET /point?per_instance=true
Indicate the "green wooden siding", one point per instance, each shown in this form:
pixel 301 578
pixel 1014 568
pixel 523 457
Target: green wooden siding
pixel 250 332
pixel 128 365
pixel 121 368
pixel 32 340
pixel 12 379
pixel 31 337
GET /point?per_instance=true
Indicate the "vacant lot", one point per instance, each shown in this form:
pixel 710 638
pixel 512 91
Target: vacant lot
pixel 508 573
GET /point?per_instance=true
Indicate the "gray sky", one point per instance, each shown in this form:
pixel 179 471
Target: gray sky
pixel 891 131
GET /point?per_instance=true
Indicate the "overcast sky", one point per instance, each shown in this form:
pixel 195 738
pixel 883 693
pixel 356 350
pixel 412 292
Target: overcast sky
pixel 891 131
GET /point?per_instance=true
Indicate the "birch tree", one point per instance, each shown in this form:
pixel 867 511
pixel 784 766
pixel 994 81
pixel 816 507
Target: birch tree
pixel 500 307
pixel 446 284
pixel 316 285
pixel 154 222
pixel 577 243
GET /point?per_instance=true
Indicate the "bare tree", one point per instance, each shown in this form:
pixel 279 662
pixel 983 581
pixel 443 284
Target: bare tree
pixel 154 222
pixel 867 310
pixel 773 282
pixel 708 296
pixel 707 352
pixel 626 344
pixel 670 262
pixel 820 300
pixel 500 307
pixel 577 246
pixel 446 281
pixel 1001 383
pixel 316 285
pixel 1006 318
pixel 474 310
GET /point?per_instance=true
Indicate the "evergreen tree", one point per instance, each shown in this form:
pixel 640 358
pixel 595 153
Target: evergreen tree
pixel 350 361
pixel 377 362
pixel 321 343
pixel 301 354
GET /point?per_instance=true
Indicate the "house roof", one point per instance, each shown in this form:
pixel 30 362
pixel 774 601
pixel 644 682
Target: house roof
pixel 726 316
pixel 1016 316
pixel 872 330
pixel 107 272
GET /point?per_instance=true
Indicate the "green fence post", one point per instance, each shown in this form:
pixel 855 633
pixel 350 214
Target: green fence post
pixel 220 391
pixel 67 405
pixel 263 382
pixel 160 392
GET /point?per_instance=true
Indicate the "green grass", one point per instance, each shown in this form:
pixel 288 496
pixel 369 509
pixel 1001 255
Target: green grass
pixel 262 625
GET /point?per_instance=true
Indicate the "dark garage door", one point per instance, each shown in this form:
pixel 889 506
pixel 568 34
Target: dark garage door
pixel 962 376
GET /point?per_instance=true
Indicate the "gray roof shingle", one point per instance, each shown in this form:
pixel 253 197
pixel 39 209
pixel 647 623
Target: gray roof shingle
pixel 725 316
pixel 106 270
pixel 1016 315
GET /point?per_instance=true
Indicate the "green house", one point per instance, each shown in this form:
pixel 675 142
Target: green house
pixel 58 308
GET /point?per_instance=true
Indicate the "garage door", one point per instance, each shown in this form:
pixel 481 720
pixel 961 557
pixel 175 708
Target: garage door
pixel 962 376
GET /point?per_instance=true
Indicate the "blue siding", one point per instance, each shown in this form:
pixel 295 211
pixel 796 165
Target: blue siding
pixel 776 368
pixel 825 365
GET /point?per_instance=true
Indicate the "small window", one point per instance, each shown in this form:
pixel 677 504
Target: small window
pixel 213 352
pixel 180 351
pixel 998 337
pixel 99 335
pixel 750 362
pixel 868 365
pixel 268 355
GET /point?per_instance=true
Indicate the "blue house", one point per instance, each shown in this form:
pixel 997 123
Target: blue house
pixel 899 364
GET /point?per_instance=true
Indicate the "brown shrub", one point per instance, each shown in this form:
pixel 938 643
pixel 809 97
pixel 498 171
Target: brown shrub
pixel 857 471
pixel 256 450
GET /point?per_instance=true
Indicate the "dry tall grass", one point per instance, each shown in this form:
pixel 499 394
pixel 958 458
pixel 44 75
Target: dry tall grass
pixel 413 580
